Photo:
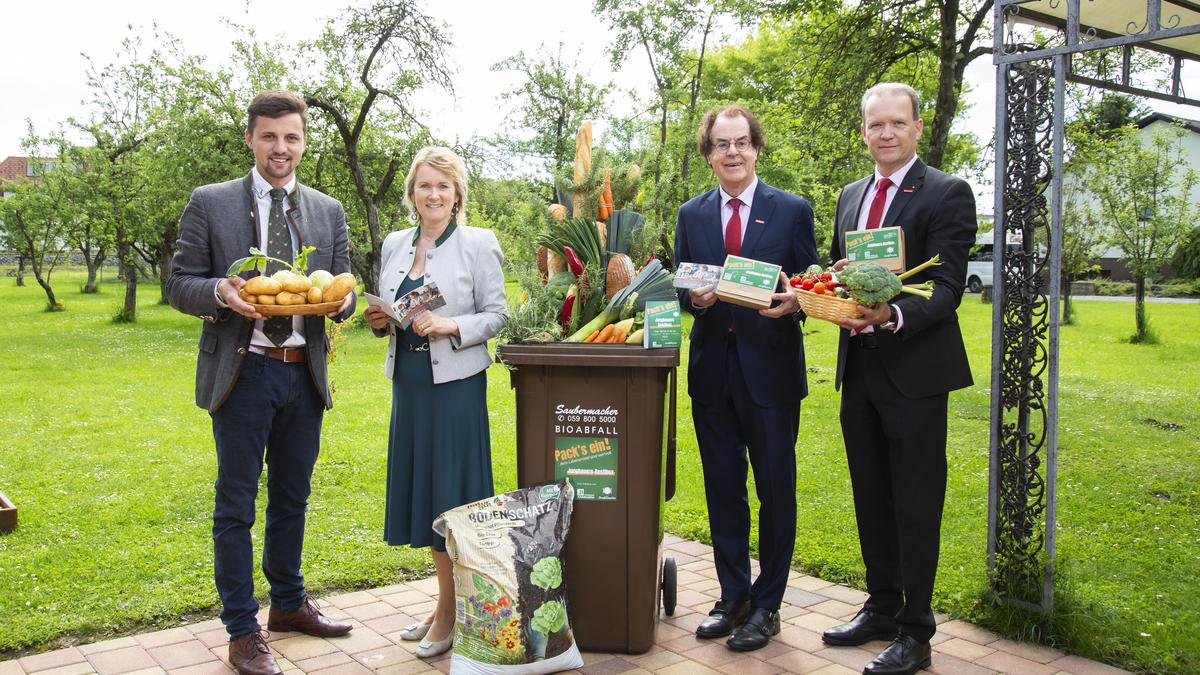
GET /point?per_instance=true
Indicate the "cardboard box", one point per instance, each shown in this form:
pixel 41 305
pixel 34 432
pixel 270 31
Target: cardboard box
pixel 747 282
pixel 883 245
pixel 662 326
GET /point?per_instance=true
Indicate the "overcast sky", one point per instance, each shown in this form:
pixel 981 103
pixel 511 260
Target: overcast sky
pixel 43 76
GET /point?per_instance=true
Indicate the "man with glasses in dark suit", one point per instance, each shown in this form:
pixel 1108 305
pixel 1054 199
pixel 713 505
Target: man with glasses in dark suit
pixel 746 374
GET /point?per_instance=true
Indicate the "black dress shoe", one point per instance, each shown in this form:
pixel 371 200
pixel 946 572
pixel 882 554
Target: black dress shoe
pixel 724 617
pixel 864 627
pixel 756 632
pixel 904 656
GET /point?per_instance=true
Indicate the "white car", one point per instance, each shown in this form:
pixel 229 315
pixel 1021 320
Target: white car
pixel 980 261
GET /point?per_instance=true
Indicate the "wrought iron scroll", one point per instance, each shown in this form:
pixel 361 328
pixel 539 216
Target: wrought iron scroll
pixel 1021 426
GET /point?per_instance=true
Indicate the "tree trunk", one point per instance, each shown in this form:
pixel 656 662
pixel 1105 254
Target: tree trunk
pixel 20 270
pixel 369 272
pixel 93 263
pixel 129 271
pixel 53 302
pixel 1068 310
pixel 166 248
pixel 947 101
pixel 1139 309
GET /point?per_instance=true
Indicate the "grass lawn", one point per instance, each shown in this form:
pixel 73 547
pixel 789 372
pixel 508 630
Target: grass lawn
pixel 111 465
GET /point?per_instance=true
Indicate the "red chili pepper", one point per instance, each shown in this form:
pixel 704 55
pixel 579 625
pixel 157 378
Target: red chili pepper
pixel 573 261
pixel 564 315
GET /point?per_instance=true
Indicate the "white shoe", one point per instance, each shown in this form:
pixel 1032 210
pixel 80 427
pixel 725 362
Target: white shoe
pixel 414 631
pixel 429 649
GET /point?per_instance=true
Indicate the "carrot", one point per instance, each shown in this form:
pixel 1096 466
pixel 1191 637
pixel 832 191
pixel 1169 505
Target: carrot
pixel 618 336
pixel 606 332
pixel 592 337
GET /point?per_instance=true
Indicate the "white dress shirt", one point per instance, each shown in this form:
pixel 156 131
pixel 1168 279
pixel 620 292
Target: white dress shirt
pixel 897 178
pixel 262 199
pixel 747 198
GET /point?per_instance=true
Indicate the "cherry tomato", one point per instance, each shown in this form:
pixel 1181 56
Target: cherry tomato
pixel 807 284
pixel 818 288
pixel 794 281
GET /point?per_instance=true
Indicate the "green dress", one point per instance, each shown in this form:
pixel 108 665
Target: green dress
pixel 439 449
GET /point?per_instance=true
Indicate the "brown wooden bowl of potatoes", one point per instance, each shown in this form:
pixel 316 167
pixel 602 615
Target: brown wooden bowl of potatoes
pixel 291 294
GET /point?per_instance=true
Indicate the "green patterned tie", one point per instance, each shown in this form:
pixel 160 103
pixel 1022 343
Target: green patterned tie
pixel 279 245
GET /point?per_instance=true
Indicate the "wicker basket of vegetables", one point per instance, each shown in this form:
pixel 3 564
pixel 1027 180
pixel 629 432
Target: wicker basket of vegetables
pixel 834 296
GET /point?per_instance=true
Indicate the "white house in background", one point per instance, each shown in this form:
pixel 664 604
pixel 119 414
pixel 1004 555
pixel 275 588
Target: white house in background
pixel 1109 257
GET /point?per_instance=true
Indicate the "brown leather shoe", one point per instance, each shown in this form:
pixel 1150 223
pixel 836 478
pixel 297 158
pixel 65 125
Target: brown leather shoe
pixel 249 655
pixel 306 619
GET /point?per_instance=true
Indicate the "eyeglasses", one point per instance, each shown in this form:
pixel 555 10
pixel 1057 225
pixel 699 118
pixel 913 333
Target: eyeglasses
pixel 742 144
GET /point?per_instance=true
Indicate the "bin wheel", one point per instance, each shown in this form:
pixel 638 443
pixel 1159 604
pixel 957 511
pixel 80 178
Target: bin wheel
pixel 669 582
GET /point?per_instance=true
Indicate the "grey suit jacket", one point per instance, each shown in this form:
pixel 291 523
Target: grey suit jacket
pixel 468 272
pixel 217 228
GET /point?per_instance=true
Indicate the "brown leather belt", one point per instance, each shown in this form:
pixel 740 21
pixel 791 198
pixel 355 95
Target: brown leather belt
pixel 285 354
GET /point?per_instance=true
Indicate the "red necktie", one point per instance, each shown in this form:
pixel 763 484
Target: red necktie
pixel 875 215
pixel 733 230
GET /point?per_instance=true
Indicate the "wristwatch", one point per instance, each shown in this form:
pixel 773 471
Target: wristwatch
pixel 890 324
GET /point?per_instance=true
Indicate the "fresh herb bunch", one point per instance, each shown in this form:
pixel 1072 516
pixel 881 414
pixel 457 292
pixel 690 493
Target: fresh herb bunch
pixel 257 260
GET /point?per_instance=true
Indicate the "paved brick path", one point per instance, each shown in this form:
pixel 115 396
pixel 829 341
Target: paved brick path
pixel 810 606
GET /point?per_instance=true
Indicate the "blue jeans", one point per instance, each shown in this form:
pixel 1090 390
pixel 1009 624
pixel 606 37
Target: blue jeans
pixel 274 405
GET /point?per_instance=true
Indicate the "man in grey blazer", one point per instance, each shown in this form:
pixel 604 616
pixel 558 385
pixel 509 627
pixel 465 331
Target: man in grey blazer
pixel 263 382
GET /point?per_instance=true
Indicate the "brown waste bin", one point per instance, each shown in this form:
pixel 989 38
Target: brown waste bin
pixel 604 417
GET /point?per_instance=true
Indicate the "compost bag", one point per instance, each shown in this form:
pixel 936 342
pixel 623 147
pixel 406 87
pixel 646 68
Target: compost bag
pixel 508 582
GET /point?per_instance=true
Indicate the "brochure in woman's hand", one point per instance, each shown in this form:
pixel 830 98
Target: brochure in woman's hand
pixel 409 305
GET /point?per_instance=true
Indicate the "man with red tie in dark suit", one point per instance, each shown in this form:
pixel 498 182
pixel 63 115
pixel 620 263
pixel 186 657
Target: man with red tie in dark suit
pixel 746 374
pixel 896 367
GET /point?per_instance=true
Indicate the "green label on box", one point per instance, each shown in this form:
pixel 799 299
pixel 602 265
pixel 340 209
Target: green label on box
pixel 590 463
pixel 662 326
pixel 747 272
pixel 873 245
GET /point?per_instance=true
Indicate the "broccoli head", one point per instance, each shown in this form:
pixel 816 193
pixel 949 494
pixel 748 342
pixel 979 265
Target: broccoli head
pixel 870 283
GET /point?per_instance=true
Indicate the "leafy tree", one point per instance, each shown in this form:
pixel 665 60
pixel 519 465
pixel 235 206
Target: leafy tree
pixel 1081 239
pixel 373 60
pixel 674 36
pixel 551 101
pixel 866 40
pixel 1186 261
pixel 1143 195
pixel 125 110
pixel 92 234
pixel 35 218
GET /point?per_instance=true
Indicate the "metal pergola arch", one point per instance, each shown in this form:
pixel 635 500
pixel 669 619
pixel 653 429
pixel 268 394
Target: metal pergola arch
pixel 1030 86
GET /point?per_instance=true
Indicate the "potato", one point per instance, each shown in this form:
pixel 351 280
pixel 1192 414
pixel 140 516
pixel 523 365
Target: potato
pixel 252 299
pixel 262 286
pixel 288 298
pixel 265 300
pixel 245 296
pixel 314 296
pixel 341 286
pixel 297 283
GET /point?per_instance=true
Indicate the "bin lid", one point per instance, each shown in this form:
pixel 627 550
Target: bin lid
pixel 592 356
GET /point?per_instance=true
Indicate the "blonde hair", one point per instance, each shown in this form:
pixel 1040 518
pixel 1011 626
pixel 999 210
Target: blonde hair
pixel 444 160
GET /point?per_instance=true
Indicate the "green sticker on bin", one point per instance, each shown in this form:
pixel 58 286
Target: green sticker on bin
pixel 752 273
pixel 662 325
pixel 589 463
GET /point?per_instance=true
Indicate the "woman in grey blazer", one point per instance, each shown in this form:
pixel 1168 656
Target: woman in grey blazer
pixel 439 450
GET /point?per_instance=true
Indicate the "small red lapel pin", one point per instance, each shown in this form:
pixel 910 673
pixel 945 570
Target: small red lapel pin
pixel 760 221
pixel 910 190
